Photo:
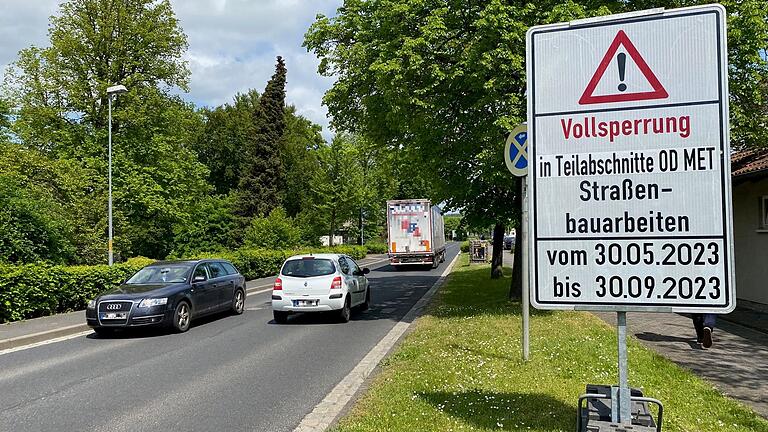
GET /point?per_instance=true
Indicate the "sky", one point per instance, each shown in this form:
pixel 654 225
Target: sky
pixel 233 45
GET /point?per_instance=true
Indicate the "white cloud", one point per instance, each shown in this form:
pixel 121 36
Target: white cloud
pixel 233 45
pixel 23 23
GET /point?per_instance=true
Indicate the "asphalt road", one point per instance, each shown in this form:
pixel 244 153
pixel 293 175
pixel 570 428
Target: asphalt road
pixel 228 373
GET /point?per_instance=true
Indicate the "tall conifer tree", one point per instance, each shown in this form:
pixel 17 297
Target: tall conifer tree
pixel 262 175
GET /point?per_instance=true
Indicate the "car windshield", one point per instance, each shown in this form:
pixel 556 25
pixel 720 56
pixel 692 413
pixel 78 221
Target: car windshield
pixel 308 267
pixel 169 273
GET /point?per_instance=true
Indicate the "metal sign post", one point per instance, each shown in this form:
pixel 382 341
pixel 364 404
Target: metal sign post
pixel 525 264
pixel 630 185
pixel 623 414
pixel 516 158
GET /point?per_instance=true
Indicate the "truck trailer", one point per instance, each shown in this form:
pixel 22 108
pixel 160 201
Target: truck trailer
pixel 415 233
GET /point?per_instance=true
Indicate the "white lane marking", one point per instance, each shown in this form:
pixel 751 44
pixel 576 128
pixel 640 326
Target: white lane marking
pixel 330 407
pixel 41 333
pixel 45 342
pixel 250 291
pixel 62 359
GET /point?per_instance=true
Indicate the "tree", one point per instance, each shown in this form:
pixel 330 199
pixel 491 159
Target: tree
pixel 58 94
pixel 446 80
pixel 262 179
pixel 47 189
pixel 299 145
pixel 33 229
pixel 336 183
pixel 229 128
pixel 276 231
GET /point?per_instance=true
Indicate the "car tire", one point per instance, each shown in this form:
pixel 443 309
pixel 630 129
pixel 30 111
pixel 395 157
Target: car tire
pixel 367 303
pixel 104 332
pixel 182 317
pixel 442 257
pixel 238 302
pixel 280 317
pixel 345 313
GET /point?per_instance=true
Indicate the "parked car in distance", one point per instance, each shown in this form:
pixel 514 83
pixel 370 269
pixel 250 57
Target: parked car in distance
pixel 509 242
pixel 320 283
pixel 169 293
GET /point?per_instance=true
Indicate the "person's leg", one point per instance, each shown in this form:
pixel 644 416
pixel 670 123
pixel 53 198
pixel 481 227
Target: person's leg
pixel 698 325
pixel 710 320
pixel 709 325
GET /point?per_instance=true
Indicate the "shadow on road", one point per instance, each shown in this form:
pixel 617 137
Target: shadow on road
pixel 655 337
pixel 154 331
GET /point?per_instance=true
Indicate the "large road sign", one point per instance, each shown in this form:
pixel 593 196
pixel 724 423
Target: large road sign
pixel 630 195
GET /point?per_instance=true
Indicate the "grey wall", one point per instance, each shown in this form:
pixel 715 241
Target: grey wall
pixel 751 245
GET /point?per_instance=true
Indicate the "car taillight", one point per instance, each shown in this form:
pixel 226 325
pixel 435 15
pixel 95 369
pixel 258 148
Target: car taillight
pixel 278 285
pixel 336 284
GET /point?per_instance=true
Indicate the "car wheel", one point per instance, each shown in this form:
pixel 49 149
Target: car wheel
pixel 345 312
pixel 442 257
pixel 182 317
pixel 280 317
pixel 104 332
pixel 367 303
pixel 238 302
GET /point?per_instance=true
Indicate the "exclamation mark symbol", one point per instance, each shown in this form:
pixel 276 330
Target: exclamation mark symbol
pixel 622 59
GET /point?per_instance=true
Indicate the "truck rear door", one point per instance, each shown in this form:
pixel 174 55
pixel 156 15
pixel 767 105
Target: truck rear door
pixel 409 227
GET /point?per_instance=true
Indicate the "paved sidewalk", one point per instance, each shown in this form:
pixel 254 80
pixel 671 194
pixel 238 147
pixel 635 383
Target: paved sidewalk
pixel 737 363
pixel 39 329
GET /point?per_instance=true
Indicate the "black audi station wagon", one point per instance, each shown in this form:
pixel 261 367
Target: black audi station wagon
pixel 169 293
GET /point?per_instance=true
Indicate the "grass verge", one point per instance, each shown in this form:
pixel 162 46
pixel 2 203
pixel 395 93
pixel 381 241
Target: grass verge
pixel 461 369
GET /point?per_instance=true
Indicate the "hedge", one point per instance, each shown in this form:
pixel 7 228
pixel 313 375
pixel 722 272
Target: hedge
pixel 376 247
pixel 34 290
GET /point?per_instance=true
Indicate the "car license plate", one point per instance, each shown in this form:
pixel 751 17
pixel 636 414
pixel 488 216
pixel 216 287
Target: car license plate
pixel 299 303
pixel 113 315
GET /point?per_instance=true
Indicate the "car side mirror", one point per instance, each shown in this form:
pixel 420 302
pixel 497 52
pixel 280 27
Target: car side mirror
pixel 198 278
pixel 366 270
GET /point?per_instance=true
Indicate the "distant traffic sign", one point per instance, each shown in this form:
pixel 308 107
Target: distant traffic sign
pixel 630 182
pixel 516 151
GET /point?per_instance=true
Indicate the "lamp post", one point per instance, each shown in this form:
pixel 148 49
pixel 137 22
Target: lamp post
pixel 111 91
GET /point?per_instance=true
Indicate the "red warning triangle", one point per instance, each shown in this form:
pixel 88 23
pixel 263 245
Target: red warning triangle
pixel 621 38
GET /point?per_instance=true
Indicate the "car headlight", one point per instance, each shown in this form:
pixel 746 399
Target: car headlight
pixel 153 302
pixel 91 304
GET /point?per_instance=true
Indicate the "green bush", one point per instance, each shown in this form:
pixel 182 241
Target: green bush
pixel 275 231
pixel 465 246
pixel 376 247
pixel 33 290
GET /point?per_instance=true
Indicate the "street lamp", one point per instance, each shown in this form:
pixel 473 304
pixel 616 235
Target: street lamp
pixel 111 91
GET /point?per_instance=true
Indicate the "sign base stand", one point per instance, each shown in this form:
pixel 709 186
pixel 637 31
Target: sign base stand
pixel 595 407
pixel 618 408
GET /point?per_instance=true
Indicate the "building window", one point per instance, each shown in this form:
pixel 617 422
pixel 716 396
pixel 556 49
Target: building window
pixel 764 212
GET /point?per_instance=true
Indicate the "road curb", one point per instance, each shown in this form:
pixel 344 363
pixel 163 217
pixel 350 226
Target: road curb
pixel 328 411
pixel 42 336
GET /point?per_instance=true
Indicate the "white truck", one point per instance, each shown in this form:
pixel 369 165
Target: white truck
pixel 415 233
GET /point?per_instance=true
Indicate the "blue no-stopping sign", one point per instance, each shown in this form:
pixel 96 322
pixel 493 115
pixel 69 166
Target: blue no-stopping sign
pixel 516 151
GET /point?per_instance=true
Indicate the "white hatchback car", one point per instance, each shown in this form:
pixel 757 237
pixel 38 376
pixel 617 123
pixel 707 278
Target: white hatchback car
pixel 320 283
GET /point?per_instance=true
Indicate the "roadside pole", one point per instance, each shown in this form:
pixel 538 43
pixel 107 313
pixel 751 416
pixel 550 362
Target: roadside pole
pixel 526 291
pixel 516 158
